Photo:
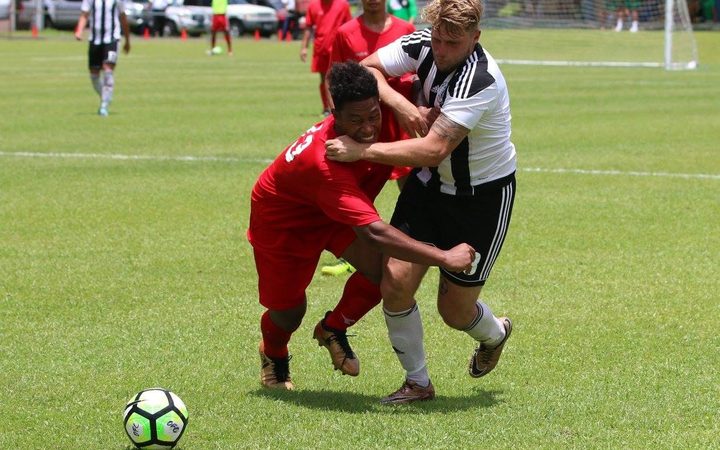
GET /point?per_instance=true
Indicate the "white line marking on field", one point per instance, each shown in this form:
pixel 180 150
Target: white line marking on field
pixel 188 158
pixel 121 157
pixel 630 173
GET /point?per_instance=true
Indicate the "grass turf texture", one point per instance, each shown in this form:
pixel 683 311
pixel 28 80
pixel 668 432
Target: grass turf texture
pixel 118 275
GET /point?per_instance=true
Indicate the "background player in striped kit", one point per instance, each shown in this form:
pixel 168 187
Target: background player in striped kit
pixel 106 18
pixel 463 189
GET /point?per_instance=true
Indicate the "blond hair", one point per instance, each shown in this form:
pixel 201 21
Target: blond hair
pixel 455 16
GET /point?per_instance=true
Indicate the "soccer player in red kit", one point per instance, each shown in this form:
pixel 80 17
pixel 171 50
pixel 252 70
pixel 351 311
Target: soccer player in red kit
pixel 303 204
pixel 324 17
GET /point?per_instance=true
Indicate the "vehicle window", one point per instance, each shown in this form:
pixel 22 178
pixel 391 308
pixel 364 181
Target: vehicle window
pixel 237 2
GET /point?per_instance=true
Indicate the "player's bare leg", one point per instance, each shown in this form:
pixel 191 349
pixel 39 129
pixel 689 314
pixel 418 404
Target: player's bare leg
pixel 460 309
pixel 228 42
pixel 324 95
pixel 107 88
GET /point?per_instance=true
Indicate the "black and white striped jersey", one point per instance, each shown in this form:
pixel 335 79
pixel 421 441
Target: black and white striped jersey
pixel 104 19
pixel 475 96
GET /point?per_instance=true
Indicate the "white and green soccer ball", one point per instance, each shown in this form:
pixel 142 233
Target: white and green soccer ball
pixel 217 50
pixel 155 419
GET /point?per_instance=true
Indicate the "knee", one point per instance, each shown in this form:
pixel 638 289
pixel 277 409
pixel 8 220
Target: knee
pixel 288 319
pixel 393 290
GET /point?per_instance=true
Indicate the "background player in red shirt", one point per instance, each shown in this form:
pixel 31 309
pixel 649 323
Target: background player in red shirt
pixel 324 17
pixel 303 204
pixel 356 40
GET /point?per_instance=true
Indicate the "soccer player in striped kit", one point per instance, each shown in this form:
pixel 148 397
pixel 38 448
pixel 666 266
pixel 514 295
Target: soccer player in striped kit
pixel 462 190
pixel 106 18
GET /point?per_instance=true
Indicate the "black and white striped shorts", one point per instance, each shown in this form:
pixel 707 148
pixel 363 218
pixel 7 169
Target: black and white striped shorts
pixel 480 220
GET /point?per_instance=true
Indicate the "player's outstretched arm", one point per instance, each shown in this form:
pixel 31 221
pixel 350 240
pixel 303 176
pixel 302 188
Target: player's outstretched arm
pixel 392 242
pixel 126 32
pixel 82 22
pixel 428 151
pixel 304 44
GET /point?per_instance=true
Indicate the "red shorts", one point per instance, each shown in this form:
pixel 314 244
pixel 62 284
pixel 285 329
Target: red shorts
pixel 320 62
pixel 219 23
pixel 282 276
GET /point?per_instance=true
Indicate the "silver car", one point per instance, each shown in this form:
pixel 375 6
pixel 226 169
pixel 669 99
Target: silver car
pixel 243 17
pixel 62 14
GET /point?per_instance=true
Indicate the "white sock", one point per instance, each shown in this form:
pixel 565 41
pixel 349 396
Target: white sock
pixel 107 87
pixel 95 80
pixel 406 336
pixel 485 328
pixel 619 25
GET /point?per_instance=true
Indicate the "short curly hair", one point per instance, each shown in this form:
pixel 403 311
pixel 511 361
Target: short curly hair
pixel 351 82
pixel 455 16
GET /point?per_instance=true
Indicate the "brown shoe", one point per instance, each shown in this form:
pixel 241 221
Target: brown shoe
pixel 485 358
pixel 409 392
pixel 343 358
pixel 274 372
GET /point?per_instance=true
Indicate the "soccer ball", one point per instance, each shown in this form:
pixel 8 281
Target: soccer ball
pixel 155 419
pixel 217 50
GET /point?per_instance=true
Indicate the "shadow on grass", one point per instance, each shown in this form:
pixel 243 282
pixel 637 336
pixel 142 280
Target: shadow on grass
pixel 351 402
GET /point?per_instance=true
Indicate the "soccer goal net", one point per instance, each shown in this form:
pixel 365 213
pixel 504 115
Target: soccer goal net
pixel 624 33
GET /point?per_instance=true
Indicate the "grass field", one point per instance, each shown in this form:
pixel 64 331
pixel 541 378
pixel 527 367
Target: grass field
pixel 124 263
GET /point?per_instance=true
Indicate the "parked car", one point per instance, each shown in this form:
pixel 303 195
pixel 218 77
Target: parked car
pixel 138 15
pixel 4 9
pixel 62 14
pixel 282 13
pixel 179 14
pixel 244 17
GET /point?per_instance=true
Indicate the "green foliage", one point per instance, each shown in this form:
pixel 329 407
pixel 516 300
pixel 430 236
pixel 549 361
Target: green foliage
pixel 119 273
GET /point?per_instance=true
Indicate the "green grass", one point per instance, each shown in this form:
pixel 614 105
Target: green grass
pixel 122 274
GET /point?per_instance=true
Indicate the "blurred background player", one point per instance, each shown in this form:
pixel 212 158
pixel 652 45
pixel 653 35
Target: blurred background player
pixel 106 19
pixel 322 19
pixel 623 9
pixel 304 204
pixel 403 9
pixel 158 7
pixel 355 40
pixel 219 23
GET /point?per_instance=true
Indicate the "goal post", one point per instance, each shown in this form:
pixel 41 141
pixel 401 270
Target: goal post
pixel 613 33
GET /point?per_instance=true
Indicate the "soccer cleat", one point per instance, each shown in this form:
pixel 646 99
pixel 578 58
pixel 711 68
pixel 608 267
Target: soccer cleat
pixel 339 268
pixel 634 27
pixel 342 356
pixel 409 392
pixel 103 111
pixel 485 358
pixel 274 372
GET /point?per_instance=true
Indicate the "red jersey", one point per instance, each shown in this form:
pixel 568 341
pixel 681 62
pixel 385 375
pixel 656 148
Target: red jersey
pixel 303 194
pixel 326 17
pixel 356 41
